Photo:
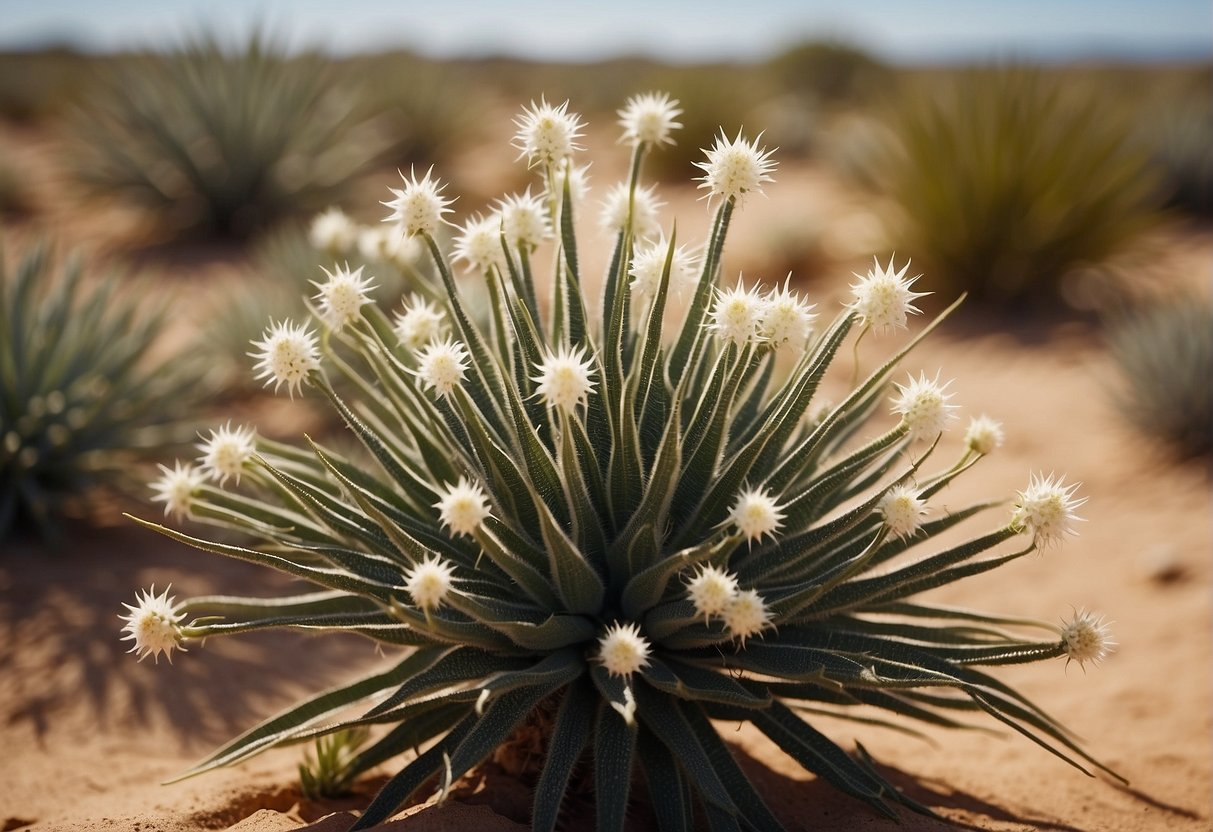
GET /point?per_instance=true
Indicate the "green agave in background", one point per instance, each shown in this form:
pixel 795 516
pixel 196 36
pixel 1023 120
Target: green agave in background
pixel 625 526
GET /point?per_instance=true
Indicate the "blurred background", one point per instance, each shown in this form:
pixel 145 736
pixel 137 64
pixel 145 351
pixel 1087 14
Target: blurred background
pixel 1053 160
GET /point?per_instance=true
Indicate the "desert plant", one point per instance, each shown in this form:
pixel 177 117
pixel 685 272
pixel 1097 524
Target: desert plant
pixel 1003 183
pixel 221 142
pixel 1164 352
pixel 79 399
pixel 581 522
pixel 1176 138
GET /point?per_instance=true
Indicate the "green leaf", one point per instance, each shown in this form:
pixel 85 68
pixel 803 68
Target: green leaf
pixel 614 752
pixel 574 722
pixel 646 589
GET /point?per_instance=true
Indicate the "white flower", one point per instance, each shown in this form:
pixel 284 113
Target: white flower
pixel 646 222
pixel 622 650
pixel 285 355
pixel 923 406
pixel 983 435
pixel 524 220
pixel 902 510
pixel 442 365
pixel 332 231
pixel 547 135
pixel 429 582
pixel 226 452
pixel 746 615
pixel 1045 509
pixel 1087 639
pixel 786 319
pixel 755 514
pixel 737 313
pixel 420 323
pixel 648 264
pixel 389 244
pixel 463 507
pixel 882 297
pixel 565 379
pixel 419 206
pixel 649 119
pixel 342 296
pixel 478 243
pixel 711 590
pixel 176 488
pixel 735 168
pixel 154 625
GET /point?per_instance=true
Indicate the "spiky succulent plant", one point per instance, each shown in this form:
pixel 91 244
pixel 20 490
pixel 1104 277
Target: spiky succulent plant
pixel 626 527
pixel 80 399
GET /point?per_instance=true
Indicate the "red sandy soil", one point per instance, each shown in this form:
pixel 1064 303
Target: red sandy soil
pixel 88 735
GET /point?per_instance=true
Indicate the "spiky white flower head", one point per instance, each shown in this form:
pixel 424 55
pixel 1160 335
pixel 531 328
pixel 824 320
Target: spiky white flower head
pixel 649 118
pixel 442 365
pixel 478 243
pixel 226 452
pixel 902 510
pixel 429 582
pixel 735 168
pixel 565 378
pixel 343 295
pixel 983 435
pixel 648 264
pixel 419 205
pixel 285 355
pixel 746 615
pixel 153 624
pixel 463 507
pixel 1046 509
pixel 622 650
pixel 737 313
pixel 755 514
pixel 547 135
pixel 786 319
pixel 332 231
pixel 923 406
pixel 1087 638
pixel 646 221
pixel 389 244
pixel 710 590
pixel 524 220
pixel 177 487
pixel 883 299
pixel 420 323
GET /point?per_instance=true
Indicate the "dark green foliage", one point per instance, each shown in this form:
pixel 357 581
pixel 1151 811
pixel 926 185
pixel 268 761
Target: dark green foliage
pixel 80 399
pixel 212 141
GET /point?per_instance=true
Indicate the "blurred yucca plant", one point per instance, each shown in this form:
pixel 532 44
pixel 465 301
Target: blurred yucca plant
pixel 216 141
pixel 79 399
pixel 1164 351
pixel 590 525
pixel 1000 183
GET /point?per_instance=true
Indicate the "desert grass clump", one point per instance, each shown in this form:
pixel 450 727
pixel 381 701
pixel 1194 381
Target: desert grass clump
pixel 80 400
pixel 638 521
pixel 223 142
pixel 1164 353
pixel 1001 183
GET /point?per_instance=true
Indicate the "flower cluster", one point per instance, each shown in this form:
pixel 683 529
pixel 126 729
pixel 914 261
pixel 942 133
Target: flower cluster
pixel 642 517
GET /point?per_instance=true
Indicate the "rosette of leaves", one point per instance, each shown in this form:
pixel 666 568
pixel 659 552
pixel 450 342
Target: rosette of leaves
pixel 596 518
pixel 79 399
pixel 217 141
pixel 1164 351
pixel 1003 182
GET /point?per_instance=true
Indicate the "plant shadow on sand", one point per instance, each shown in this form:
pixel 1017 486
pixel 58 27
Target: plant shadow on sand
pixel 60 643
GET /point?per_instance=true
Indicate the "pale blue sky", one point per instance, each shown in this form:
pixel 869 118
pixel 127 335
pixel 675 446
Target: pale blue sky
pixel 673 29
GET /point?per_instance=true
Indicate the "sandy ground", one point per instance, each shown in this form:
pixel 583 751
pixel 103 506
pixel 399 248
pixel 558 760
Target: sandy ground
pixel 88 735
